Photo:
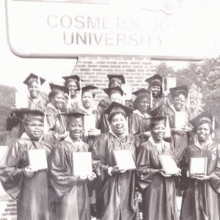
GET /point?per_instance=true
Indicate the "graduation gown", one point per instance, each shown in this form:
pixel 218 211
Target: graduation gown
pixel 31 193
pixel 159 102
pixel 104 123
pixel 39 104
pixel 56 122
pixel 87 138
pixel 118 191
pixel 138 124
pixel 158 192
pixel 73 193
pixel 179 142
pixel 201 199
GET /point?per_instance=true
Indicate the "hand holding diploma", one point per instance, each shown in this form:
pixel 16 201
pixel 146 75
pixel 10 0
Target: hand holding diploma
pixel 201 177
pixel 29 172
pixel 94 132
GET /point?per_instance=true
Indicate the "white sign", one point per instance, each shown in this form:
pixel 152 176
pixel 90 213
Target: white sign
pixel 158 29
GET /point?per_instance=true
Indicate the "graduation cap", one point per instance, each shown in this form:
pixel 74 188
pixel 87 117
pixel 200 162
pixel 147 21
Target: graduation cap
pixel 33 77
pixel 179 90
pixel 27 114
pixel 70 78
pixel 158 120
pixel 89 88
pixel 116 107
pixel 116 77
pixel 155 80
pixel 75 114
pixel 141 91
pixel 59 88
pixel 116 89
pixel 203 118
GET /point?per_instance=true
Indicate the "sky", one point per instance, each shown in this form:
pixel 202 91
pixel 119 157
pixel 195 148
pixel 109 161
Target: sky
pixel 13 69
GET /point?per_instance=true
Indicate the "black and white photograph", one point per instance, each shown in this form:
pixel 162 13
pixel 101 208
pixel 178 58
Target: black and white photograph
pixel 110 110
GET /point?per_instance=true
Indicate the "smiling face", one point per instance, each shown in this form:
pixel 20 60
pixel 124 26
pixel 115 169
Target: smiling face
pixel 118 124
pixel 179 102
pixel 158 132
pixel 34 89
pixel 75 127
pixel 58 100
pixel 144 105
pixel 156 90
pixel 72 86
pixel 34 129
pixel 87 99
pixel 203 132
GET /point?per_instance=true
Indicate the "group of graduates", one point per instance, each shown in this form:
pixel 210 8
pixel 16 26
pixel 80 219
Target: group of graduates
pixel 152 126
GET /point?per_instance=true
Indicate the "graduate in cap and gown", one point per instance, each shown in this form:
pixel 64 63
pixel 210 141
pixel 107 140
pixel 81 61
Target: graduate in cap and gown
pixel 178 114
pixel 115 94
pixel 73 84
pixel 35 101
pixel 139 121
pixel 72 190
pixel 28 185
pixel 158 188
pixel 92 126
pixel 201 197
pixel 118 186
pixel 114 81
pixel 56 122
pixel 158 99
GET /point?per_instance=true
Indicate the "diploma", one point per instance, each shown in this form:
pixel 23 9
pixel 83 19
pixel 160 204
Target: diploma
pixel 180 119
pixel 168 164
pixel 82 164
pixel 38 159
pixel 124 159
pixel 21 100
pixel 3 155
pixel 198 166
pixel 89 123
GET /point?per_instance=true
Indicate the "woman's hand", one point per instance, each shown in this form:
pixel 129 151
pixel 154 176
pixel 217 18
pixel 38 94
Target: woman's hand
pixel 94 132
pixel 163 173
pixel 29 172
pixel 115 169
pixel 92 177
pixel 179 131
pixel 201 177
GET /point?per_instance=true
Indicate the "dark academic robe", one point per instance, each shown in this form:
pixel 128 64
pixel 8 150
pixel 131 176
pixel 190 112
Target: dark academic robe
pixel 179 142
pixel 138 124
pixel 39 104
pixel 56 122
pixel 158 192
pixel 159 102
pixel 90 139
pixel 73 193
pixel 31 193
pixel 201 199
pixel 104 123
pixel 118 191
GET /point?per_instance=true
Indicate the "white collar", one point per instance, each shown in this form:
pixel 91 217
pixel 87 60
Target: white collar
pixel 172 107
pixel 52 106
pixel 68 139
pixel 197 144
pixel 151 140
pixel 87 111
pixel 25 136
pixel 145 115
